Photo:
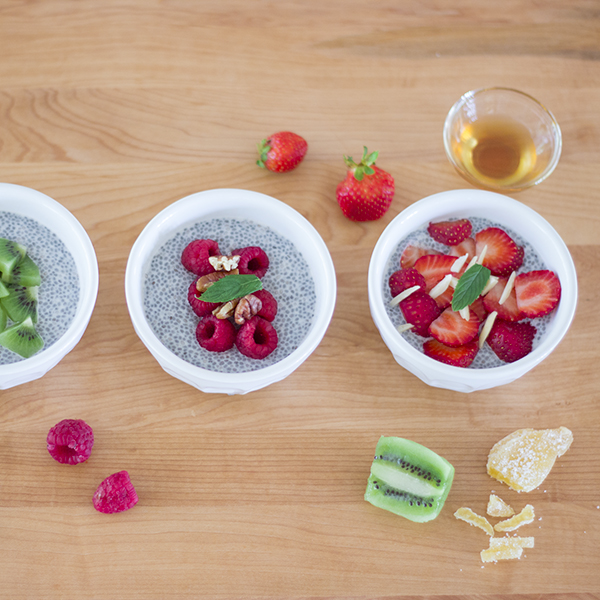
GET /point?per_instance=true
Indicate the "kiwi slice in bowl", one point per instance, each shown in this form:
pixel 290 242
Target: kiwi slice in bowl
pixel 3 289
pixel 3 319
pixel 21 303
pixel 408 479
pixel 11 254
pixel 25 273
pixel 22 338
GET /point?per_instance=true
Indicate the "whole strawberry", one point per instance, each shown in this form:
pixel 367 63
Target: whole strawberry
pixel 281 151
pixel 367 191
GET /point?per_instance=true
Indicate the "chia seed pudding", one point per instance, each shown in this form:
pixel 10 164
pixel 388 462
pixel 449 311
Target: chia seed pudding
pixel 174 322
pixel 58 294
pixel 485 358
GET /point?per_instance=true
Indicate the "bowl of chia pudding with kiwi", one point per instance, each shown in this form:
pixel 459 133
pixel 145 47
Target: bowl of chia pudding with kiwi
pixel 267 272
pixel 471 289
pixel 48 283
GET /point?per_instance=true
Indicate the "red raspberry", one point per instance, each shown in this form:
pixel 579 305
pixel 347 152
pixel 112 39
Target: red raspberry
pixel 404 279
pixel 215 335
pixel 253 261
pixel 115 494
pixel 256 338
pixel 420 310
pixel 200 307
pixel 70 441
pixel 269 304
pixel 195 256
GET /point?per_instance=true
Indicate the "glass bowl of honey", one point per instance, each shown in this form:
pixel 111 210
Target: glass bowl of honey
pixel 502 139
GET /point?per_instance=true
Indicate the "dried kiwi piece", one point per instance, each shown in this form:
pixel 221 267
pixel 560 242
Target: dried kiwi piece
pixel 25 273
pixel 408 479
pixel 21 303
pixel 11 253
pixel 22 338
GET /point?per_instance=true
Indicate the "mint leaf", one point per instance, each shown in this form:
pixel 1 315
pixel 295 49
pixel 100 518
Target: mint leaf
pixel 231 287
pixel 470 286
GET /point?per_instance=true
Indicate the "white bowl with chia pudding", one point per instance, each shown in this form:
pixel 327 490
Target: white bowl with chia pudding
pixel 65 256
pixel 300 276
pixel 544 249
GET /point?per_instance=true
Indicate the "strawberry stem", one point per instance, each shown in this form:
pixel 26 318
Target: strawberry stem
pixel 364 166
pixel 263 149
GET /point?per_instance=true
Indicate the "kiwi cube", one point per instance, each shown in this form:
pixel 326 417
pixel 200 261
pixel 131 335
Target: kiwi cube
pixel 408 479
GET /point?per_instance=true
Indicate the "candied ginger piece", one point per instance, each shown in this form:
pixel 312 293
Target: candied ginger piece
pixel 506 548
pixel 524 458
pixel 472 518
pixel 525 517
pixel 498 508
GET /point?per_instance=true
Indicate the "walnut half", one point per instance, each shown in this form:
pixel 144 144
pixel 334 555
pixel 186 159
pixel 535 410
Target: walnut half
pixel 246 308
pixel 206 281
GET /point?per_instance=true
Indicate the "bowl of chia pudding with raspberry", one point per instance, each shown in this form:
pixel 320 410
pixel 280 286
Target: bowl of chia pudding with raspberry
pixel 471 289
pixel 230 290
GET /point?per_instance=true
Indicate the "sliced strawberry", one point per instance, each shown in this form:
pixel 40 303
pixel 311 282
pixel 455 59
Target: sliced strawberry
pixel 420 309
pixel 502 255
pixel 537 292
pixel 411 254
pixel 508 310
pixel 479 309
pixel 404 279
pixel 434 267
pixel 445 298
pixel 452 330
pixel 511 341
pixel 467 246
pixel 459 356
pixel 450 233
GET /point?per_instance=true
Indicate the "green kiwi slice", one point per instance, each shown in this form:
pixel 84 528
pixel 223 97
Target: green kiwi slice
pixel 25 273
pixel 408 479
pixel 3 317
pixel 21 303
pixel 3 290
pixel 11 253
pixel 22 338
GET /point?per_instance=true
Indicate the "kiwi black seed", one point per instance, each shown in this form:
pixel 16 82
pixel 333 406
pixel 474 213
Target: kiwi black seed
pixel 408 479
pixel 21 303
pixel 11 253
pixel 22 338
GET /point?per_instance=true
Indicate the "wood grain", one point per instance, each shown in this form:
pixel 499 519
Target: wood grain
pixel 117 109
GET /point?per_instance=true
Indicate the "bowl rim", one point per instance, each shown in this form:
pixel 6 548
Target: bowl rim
pixel 458 203
pixel 49 357
pixel 162 226
pixel 499 188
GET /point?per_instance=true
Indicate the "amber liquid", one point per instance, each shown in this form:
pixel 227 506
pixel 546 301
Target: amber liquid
pixel 498 152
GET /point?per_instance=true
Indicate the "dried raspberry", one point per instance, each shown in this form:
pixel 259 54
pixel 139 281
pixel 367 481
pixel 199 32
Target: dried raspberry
pixel 115 494
pixel 405 278
pixel 253 261
pixel 195 256
pixel 70 441
pixel 256 338
pixel 200 307
pixel 269 304
pixel 215 335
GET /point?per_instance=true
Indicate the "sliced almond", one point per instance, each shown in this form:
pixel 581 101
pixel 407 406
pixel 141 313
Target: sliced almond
pixel 487 327
pixel 482 255
pixel 403 295
pixel 473 262
pixel 491 283
pixel 465 313
pixel 457 265
pixel 508 288
pixel 441 287
pixel 404 327
pixel 454 282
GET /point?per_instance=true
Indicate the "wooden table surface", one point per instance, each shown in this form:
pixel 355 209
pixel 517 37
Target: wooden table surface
pixel 116 110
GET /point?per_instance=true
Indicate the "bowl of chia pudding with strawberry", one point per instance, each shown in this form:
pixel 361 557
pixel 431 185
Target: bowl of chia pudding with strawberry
pixel 230 290
pixel 471 289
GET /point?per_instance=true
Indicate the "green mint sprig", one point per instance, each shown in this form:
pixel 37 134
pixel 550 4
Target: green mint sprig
pixel 470 286
pixel 231 287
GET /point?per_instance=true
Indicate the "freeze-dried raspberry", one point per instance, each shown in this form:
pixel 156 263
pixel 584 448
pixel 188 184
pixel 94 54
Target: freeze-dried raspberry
pixel 256 338
pixel 115 494
pixel 253 261
pixel 269 304
pixel 70 441
pixel 215 335
pixel 200 307
pixel 195 256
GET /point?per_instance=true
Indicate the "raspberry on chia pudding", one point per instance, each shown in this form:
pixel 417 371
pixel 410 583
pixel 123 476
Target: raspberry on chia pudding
pixel 256 338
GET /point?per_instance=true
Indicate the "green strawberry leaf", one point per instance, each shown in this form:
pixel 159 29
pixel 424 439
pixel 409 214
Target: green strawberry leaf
pixel 470 286
pixel 231 287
